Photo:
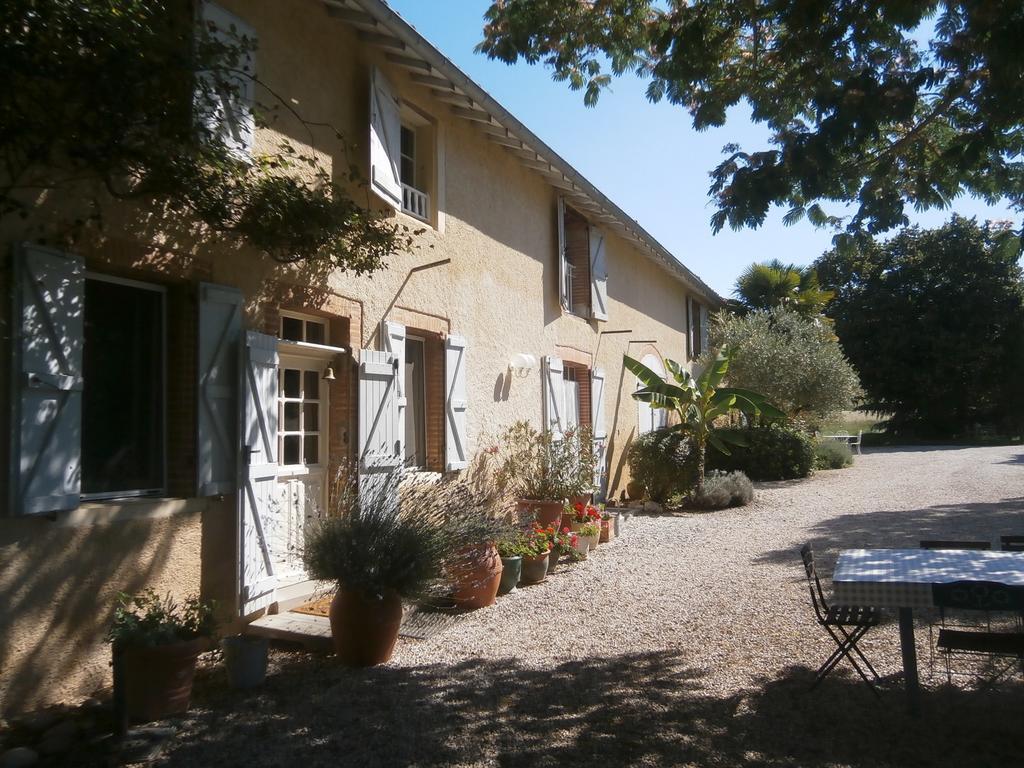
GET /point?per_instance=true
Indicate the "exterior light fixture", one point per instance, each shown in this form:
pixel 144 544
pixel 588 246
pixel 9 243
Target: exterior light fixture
pixel 521 364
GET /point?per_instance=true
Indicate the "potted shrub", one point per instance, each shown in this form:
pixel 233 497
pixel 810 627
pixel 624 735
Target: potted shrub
pixel 156 642
pixel 581 464
pixel 537 470
pixel 536 557
pixel 385 543
pixel 511 550
pixel 591 533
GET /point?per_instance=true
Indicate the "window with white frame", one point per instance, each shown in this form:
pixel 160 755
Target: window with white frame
pixel 415 166
pixel 123 400
pixel 303 328
pixel 302 394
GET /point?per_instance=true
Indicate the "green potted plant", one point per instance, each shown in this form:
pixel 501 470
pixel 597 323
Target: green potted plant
pixel 581 464
pixel 511 550
pixel 155 643
pixel 537 470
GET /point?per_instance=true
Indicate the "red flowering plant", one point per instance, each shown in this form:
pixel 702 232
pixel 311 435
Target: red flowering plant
pixel 539 541
pixel 560 540
pixel 584 513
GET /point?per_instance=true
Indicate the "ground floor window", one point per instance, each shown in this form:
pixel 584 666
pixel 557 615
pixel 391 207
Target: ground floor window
pixel 416 403
pixel 576 389
pixel 123 398
pixel 302 410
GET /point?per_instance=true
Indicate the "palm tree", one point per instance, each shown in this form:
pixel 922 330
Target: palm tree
pixel 773 284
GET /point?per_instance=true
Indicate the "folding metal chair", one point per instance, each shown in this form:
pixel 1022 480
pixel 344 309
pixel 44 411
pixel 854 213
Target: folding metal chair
pixel 1011 543
pixel 846 624
pixel 934 622
pixel 980 596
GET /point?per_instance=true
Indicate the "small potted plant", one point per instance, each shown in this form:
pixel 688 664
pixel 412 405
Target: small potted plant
pixel 511 550
pixel 585 515
pixel 607 527
pixel 561 542
pixel 580 546
pixel 156 642
pixel 535 558
pixel 591 533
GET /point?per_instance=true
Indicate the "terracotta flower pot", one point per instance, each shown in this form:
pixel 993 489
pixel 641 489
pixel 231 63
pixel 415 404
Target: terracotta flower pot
pixel 365 627
pixel 606 532
pixel 535 569
pixel 567 519
pixel 552 561
pixel 157 680
pixel 547 511
pixel 511 570
pixel 476 575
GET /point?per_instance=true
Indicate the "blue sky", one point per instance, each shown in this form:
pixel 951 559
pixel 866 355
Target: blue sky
pixel 645 157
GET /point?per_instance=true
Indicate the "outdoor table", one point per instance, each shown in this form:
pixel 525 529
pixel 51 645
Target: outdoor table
pixel 903 579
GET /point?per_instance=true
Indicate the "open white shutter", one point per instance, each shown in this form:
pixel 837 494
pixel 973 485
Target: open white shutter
pixel 563 267
pixel 258 504
pixel 219 357
pixel 690 340
pixel 393 340
pixel 456 439
pixel 226 102
pixel 46 434
pixel 598 276
pixel 704 331
pixel 385 141
pixel 380 451
pixel 554 396
pixel 598 427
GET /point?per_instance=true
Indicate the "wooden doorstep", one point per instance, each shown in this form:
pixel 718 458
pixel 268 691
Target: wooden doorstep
pixel 312 632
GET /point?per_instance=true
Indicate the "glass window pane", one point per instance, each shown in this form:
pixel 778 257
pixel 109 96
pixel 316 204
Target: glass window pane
pixel 291 383
pixel 315 332
pixel 310 417
pixel 291 449
pixel 312 448
pixel 291 329
pixel 291 417
pixel 312 389
pixel 122 402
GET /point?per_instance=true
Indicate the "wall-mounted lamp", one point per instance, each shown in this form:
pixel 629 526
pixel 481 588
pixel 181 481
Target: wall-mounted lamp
pixel 521 363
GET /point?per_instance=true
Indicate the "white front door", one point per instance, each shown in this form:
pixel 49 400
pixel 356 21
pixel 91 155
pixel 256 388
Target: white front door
pixel 303 404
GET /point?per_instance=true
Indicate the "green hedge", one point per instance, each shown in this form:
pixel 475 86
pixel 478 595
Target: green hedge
pixel 774 452
pixel 663 462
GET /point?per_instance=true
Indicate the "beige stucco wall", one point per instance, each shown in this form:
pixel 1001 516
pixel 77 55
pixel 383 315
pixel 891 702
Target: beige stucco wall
pixel 59 582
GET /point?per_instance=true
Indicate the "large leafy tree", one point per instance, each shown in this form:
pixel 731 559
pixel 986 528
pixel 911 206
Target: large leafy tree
pixel 774 284
pixel 876 103
pixel 793 360
pixel 933 320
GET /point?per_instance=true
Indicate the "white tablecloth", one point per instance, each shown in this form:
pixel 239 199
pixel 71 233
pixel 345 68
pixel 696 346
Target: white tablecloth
pixel 903 578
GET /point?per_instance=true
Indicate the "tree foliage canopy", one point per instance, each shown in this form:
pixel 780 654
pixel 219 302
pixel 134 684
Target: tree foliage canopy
pixel 933 320
pixel 795 361
pixel 774 284
pixel 111 99
pixel 880 103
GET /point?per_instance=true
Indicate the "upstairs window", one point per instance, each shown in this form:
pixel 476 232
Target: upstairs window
pixel 582 267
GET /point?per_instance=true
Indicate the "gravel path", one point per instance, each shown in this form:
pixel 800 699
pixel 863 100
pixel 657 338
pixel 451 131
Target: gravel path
pixel 690 641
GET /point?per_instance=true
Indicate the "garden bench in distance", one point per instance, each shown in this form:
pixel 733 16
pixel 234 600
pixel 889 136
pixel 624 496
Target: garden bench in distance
pixel 851 440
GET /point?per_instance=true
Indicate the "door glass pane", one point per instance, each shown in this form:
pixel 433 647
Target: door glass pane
pixel 312 449
pixel 310 417
pixel 291 449
pixel 311 391
pixel 291 383
pixel 291 329
pixel 291 417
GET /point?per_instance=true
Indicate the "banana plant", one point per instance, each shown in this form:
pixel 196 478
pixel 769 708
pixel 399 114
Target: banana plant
pixel 698 402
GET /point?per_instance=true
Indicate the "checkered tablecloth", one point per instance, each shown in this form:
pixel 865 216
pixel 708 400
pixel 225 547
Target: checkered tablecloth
pixel 903 578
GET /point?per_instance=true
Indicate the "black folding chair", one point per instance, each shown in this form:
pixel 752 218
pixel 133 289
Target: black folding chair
pixel 986 596
pixel 846 624
pixel 1011 543
pixel 954 544
pixel 942 619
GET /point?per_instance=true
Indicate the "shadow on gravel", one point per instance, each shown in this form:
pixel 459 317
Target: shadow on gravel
pixel 904 528
pixel 639 709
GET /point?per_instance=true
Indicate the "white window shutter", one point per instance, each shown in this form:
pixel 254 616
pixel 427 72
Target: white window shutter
pixel 385 141
pixel 219 358
pixel 704 332
pixel 690 340
pixel 554 396
pixel 598 276
pixel 226 103
pixel 456 448
pixel 380 443
pixel 46 404
pixel 563 268
pixel 597 420
pixel 393 340
pixel 258 503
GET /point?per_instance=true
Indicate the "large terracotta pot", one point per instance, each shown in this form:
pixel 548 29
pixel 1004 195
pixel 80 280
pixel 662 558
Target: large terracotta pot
pixel 535 569
pixel 476 575
pixel 157 680
pixel 511 570
pixel 365 627
pixel 547 511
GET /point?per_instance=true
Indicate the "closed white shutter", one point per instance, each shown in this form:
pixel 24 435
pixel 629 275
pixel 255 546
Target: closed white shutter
pixel 385 141
pixel 380 452
pixel 258 503
pixel 563 266
pixel 598 276
pixel 393 340
pixel 219 356
pixel 226 101
pixel 456 445
pixel 554 396
pixel 47 399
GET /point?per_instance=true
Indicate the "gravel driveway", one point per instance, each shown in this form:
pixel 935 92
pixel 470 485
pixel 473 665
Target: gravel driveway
pixel 689 641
